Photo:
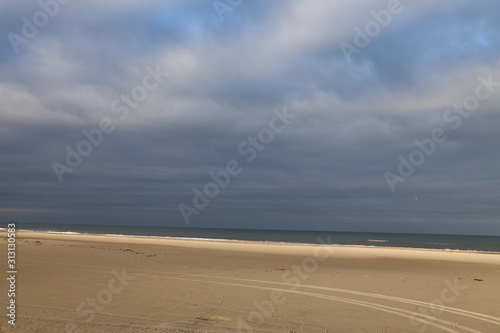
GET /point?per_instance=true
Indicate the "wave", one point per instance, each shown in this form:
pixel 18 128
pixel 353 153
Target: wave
pixel 56 232
pixel 378 240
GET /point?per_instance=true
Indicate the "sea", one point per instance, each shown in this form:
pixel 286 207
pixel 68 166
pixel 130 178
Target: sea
pixel 371 239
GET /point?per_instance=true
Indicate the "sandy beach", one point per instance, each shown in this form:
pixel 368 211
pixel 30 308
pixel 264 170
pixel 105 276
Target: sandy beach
pixel 91 283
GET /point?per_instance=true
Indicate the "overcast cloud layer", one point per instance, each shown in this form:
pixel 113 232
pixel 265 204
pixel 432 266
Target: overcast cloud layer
pixel 326 170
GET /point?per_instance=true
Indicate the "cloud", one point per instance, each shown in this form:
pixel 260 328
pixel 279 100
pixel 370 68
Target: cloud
pixel 325 171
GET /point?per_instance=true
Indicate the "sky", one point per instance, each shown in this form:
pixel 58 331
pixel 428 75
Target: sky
pixel 375 116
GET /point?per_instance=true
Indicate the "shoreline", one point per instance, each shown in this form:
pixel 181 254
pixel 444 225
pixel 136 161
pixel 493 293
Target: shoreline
pixel 252 241
pixel 486 244
pixel 304 249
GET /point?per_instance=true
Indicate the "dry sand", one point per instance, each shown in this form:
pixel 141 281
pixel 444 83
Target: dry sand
pixel 89 283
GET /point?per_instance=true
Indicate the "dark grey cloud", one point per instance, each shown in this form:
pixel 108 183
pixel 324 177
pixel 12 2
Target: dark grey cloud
pixel 325 170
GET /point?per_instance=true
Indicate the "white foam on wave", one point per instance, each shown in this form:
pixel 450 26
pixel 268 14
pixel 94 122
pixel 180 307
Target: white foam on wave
pixel 54 232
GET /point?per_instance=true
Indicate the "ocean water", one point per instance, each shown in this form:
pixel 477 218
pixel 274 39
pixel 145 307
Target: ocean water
pixel 422 241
